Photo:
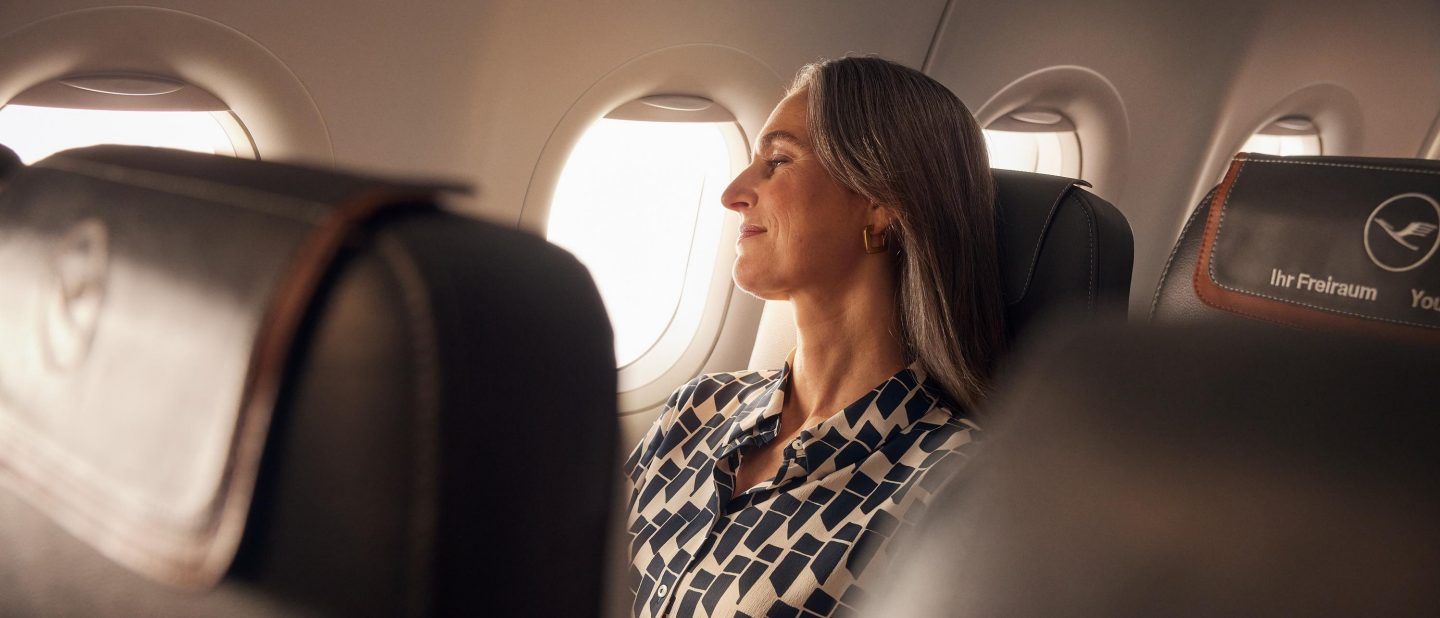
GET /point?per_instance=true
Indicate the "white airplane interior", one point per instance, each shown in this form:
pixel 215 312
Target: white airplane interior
pixel 337 308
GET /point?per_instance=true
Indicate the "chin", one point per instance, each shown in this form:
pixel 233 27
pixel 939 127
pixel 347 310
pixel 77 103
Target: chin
pixel 755 282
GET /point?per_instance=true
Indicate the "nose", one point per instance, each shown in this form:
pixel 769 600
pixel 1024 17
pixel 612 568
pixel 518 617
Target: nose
pixel 741 192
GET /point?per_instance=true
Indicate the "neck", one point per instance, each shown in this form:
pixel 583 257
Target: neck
pixel 847 341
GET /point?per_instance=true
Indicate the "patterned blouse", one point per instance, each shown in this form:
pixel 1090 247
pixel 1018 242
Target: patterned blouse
pixel 804 543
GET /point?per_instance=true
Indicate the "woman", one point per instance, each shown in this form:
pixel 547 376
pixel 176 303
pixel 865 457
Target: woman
pixel 868 205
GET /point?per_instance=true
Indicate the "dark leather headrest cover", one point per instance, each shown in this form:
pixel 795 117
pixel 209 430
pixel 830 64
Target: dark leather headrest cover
pixel 1062 249
pixel 1321 242
pixel 154 306
pixel 393 409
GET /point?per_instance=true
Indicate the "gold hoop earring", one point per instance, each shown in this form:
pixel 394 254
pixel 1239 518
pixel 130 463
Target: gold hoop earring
pixel 872 248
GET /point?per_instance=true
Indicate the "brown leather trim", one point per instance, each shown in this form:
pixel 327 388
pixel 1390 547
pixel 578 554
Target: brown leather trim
pixel 1264 309
pixel 274 341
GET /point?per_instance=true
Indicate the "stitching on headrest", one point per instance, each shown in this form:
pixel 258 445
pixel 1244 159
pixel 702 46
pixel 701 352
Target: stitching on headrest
pixel 1088 209
pixel 423 347
pixel 1220 227
pixel 1040 243
pixel 1382 168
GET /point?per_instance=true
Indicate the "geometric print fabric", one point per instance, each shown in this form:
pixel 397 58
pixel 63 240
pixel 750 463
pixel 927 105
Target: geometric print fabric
pixel 810 539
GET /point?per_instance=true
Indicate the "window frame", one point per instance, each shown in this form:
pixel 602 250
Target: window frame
pixel 703 292
pixel 123 92
pixel 749 90
pixel 280 117
pixel 1085 98
pixel 1288 126
pixel 1044 122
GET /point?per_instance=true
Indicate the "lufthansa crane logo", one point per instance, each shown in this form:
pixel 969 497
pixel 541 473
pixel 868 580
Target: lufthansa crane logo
pixel 71 312
pixel 1400 234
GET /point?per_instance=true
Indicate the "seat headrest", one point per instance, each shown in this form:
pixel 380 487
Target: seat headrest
pixel 108 246
pixel 285 388
pixel 1312 242
pixel 1063 250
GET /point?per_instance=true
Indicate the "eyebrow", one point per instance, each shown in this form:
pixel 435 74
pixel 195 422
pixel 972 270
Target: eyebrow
pixel 773 136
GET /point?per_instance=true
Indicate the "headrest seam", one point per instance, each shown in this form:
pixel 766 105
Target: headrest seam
pixel 1381 168
pixel 420 321
pixel 1040 243
pixel 1220 229
pixel 1091 252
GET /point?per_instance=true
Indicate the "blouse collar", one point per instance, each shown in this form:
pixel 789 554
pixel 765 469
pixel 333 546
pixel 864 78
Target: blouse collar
pixel 843 439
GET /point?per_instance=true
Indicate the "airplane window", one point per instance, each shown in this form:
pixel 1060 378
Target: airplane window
pixel 1034 141
pixel 1289 136
pixel 136 111
pixel 638 202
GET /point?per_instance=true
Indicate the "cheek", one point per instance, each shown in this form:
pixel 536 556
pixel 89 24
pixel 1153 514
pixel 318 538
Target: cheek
pixel 814 238
pixel 825 240
pixel 795 256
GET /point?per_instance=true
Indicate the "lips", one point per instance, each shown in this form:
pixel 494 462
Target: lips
pixel 747 231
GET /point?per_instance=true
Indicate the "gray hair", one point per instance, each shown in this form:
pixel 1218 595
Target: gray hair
pixel 903 140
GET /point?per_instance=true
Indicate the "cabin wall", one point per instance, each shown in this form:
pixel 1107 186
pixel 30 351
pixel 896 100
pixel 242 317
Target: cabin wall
pixel 474 91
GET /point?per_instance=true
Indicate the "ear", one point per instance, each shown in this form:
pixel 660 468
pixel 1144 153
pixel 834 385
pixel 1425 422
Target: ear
pixel 881 216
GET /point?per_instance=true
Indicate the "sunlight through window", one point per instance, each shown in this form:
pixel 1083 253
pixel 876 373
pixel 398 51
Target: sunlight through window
pixel 1291 136
pixel 1043 142
pixel 38 132
pixel 638 203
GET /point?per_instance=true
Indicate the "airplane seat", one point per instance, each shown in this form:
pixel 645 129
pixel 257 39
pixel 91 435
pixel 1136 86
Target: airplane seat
pixel 1196 470
pixel 1211 464
pixel 240 388
pixel 1318 243
pixel 1064 252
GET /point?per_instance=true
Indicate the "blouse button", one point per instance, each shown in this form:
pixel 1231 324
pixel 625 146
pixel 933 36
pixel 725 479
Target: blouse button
pixel 796 444
pixel 661 592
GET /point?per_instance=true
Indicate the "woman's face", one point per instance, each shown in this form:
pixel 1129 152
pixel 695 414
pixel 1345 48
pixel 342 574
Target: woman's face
pixel 801 228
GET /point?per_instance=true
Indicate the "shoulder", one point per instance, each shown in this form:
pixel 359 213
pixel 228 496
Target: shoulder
pixel 948 440
pixel 954 428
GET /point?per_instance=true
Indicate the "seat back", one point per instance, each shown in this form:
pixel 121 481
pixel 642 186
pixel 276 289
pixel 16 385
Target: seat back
pixel 1201 471
pixel 1321 243
pixel 242 388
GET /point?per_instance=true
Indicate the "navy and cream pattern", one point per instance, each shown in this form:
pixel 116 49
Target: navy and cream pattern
pixel 804 543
